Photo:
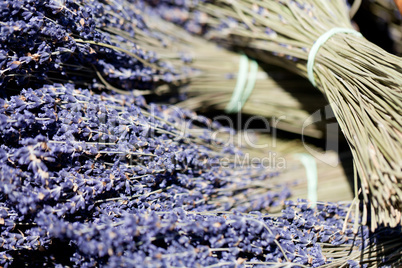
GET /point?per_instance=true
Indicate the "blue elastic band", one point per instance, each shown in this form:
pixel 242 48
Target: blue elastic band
pixel 310 165
pixel 320 41
pixel 244 86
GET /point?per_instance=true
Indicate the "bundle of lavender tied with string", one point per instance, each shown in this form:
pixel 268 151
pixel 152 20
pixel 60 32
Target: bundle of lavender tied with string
pixel 361 81
pixel 221 71
pixel 111 181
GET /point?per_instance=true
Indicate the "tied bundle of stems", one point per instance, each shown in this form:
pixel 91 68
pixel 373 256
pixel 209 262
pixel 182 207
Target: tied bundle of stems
pixel 361 81
pixel 292 98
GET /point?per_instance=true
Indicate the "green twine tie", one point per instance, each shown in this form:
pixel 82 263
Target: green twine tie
pixel 321 41
pixel 244 86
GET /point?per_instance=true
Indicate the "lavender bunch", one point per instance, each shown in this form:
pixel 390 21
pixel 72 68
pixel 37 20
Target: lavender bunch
pixel 110 46
pixel 45 42
pixel 119 234
pixel 361 81
pixel 59 129
pixel 110 180
pixel 67 152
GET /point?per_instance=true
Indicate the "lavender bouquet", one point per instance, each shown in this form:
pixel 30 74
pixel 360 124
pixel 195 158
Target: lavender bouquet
pixel 108 180
pixel 113 46
pixel 66 153
pixel 90 43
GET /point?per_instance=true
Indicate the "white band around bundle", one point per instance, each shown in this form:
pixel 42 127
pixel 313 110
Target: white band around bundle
pixel 310 165
pixel 321 41
pixel 246 79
